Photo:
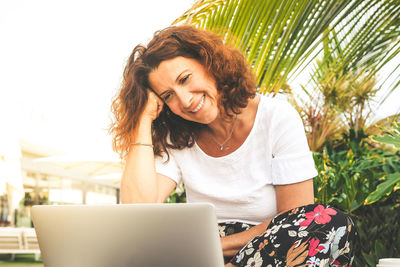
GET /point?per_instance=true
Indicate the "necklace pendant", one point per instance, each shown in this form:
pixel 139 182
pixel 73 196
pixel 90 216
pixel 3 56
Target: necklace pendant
pixel 221 145
pixel 222 148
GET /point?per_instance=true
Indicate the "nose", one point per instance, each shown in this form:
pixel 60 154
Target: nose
pixel 185 98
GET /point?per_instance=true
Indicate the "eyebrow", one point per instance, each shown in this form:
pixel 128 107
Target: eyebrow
pixel 163 93
pixel 177 78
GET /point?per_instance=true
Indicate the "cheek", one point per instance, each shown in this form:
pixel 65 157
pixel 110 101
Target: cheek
pixel 174 108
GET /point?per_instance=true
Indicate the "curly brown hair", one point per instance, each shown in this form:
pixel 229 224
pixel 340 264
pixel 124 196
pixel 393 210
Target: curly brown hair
pixel 235 85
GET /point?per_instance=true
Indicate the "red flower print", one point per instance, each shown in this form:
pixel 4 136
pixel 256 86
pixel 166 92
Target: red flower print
pixel 314 248
pixel 320 215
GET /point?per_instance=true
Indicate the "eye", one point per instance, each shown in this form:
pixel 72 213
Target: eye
pixel 184 79
pixel 167 96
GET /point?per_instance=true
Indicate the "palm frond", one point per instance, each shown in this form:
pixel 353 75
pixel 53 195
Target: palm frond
pixel 275 36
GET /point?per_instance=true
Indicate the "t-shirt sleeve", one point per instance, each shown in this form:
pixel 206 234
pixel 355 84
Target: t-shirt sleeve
pixel 292 160
pixel 168 168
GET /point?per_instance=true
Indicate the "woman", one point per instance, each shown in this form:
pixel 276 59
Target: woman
pixel 188 112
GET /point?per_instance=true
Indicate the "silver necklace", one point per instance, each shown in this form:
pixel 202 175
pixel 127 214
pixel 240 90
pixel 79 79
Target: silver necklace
pixel 221 145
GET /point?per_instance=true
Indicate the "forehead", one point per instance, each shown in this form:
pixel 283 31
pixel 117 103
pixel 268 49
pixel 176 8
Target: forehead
pixel 174 66
pixel 168 71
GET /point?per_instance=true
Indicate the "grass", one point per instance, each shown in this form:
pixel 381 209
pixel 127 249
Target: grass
pixel 20 259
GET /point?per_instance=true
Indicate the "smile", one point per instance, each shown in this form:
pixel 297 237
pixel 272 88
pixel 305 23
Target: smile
pixel 200 105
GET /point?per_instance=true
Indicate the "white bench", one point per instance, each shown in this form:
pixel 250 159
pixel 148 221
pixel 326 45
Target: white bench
pixel 19 241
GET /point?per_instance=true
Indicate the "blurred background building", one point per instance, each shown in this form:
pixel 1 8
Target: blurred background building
pixel 33 174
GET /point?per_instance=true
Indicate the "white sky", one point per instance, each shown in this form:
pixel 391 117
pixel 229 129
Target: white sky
pixel 62 61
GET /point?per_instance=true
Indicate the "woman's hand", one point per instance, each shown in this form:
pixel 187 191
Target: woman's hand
pixel 153 106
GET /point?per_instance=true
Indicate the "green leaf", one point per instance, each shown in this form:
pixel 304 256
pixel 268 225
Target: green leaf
pixel 379 250
pixel 369 259
pixel 355 205
pixel 392 136
pixel 384 188
pixel 387 139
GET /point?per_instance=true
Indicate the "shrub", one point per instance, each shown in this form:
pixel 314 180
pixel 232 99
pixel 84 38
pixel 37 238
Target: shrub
pixel 349 174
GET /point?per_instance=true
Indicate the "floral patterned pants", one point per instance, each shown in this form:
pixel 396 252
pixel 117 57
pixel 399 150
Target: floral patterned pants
pixel 312 235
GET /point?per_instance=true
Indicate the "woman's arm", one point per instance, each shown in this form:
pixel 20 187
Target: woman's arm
pixel 287 197
pixel 140 183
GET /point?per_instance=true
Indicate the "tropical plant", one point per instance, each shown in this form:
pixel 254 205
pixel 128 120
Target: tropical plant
pixel 392 180
pixel 340 99
pixel 350 172
pixel 392 136
pixel 178 195
pixel 378 226
pixel 343 87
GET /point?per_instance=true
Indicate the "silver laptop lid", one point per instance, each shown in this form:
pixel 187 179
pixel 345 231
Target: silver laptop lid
pixel 134 235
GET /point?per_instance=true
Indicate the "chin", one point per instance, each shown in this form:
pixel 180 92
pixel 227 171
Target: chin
pixel 210 119
pixel 202 118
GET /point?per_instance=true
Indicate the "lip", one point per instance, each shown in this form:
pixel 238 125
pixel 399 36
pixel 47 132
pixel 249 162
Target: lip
pixel 198 106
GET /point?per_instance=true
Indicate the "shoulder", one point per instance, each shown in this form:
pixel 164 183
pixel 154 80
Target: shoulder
pixel 274 102
pixel 276 109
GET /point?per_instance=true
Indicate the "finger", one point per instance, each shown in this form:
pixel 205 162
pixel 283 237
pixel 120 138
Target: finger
pixel 160 102
pixel 160 106
pixel 152 95
pixel 155 95
pixel 153 98
pixel 156 101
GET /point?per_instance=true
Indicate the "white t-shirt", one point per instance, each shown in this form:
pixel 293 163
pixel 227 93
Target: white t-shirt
pixel 241 184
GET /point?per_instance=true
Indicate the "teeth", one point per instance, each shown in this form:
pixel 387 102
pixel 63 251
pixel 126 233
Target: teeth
pixel 200 105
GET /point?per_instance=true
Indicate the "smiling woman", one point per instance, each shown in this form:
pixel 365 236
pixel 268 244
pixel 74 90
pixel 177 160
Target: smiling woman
pixel 181 58
pixel 188 112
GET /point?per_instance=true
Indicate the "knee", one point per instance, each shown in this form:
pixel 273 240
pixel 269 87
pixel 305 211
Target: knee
pixel 342 220
pixel 323 214
pixel 319 218
pixel 328 217
pixel 344 237
pixel 317 213
pixel 335 229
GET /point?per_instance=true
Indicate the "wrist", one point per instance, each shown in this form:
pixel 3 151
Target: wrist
pixel 143 131
pixel 142 144
pixel 147 119
pixel 226 243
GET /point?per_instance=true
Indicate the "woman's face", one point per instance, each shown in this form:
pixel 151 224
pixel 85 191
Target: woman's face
pixel 186 87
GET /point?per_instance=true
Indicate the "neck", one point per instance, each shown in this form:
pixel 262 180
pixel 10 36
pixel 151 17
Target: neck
pixel 221 127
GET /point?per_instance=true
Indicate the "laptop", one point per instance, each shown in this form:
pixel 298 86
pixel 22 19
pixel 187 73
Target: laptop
pixel 131 235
